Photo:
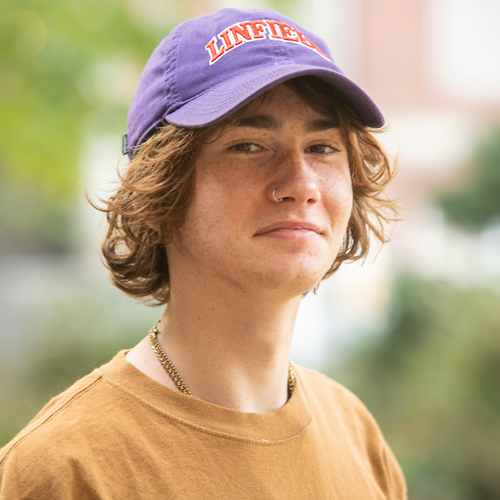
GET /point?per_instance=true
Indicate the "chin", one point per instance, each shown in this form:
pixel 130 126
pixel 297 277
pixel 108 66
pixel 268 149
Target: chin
pixel 294 280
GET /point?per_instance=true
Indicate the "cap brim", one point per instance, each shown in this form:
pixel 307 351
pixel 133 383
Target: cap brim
pixel 220 101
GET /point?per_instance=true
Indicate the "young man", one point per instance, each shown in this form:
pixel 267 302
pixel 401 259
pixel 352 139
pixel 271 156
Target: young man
pixel 253 176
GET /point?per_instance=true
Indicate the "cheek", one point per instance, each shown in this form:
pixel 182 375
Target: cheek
pixel 346 198
pixel 220 203
pixel 339 201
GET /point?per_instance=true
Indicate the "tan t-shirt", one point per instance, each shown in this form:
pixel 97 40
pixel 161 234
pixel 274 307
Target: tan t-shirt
pixel 117 434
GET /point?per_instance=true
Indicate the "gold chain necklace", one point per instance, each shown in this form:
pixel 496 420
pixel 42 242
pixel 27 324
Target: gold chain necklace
pixel 174 374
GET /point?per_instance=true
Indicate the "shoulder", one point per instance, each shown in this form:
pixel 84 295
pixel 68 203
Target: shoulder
pixel 329 396
pixel 323 388
pixel 39 460
pixel 331 401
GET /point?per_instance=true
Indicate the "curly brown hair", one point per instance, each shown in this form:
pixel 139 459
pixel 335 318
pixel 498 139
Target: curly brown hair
pixel 155 192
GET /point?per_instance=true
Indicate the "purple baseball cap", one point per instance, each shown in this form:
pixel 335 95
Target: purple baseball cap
pixel 211 65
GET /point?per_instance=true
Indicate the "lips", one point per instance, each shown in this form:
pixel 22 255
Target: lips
pixel 290 226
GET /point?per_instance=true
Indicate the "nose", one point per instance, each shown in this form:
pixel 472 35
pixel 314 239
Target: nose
pixel 295 181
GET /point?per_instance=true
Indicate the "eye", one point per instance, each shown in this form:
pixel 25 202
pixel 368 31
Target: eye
pixel 246 147
pixel 321 149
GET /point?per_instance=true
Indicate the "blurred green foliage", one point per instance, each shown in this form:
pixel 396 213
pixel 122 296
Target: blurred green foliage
pixel 432 382
pixel 478 205
pixel 58 60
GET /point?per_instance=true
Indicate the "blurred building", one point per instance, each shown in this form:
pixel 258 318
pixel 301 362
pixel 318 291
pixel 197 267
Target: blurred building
pixel 431 66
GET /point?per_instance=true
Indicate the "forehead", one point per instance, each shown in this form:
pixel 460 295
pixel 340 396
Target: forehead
pixel 274 108
pixel 278 98
pixel 280 105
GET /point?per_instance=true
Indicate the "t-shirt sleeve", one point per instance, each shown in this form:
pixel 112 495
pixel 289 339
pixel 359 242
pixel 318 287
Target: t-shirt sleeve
pixel 395 481
pixel 37 470
pixel 44 461
pixel 34 475
pixel 379 455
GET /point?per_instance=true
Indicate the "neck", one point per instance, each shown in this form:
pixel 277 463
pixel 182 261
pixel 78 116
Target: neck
pixel 231 349
pixel 230 346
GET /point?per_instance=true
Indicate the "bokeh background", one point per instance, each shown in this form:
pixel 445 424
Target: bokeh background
pixel 415 333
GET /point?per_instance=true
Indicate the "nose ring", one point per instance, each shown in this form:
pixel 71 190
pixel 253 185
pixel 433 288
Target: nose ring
pixel 274 196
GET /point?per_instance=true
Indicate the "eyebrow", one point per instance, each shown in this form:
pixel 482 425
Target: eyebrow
pixel 269 123
pixel 259 121
pixel 321 125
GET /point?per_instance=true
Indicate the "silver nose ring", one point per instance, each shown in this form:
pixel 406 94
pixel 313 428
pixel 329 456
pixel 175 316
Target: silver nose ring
pixel 274 196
